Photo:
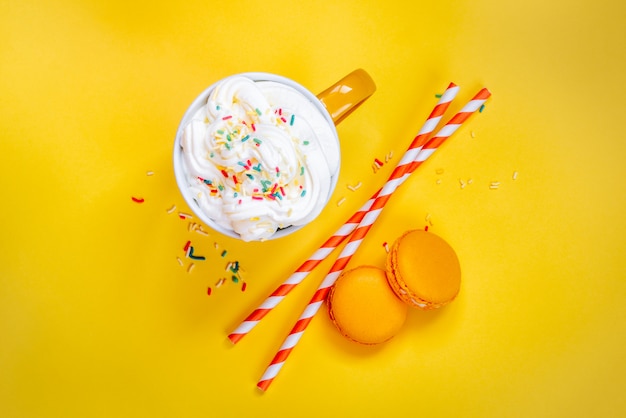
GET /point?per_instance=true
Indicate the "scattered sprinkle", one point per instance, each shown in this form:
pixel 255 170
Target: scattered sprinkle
pixel 378 162
pixel 355 187
pixel 438 95
pixel 179 261
pixel 220 282
pixel 386 246
pixel 462 184
pixel 482 107
pixel 291 121
pixel 494 185
pixel 195 257
pixel 149 173
pixel 172 209
pixel 183 215
pixel 224 253
pixel 191 266
pixel 208 292
pixel 244 285
pixel 426 228
pixel 438 181
pixel 472 134
pixel 429 219
pixel 389 156
pixel 439 171
pixel 341 201
pixel 137 199
pixel 514 175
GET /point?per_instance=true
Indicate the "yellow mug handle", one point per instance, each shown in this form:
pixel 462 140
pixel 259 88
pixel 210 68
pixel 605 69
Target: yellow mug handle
pixel 343 97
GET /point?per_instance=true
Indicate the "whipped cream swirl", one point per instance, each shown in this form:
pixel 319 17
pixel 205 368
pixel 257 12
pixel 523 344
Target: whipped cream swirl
pixel 259 156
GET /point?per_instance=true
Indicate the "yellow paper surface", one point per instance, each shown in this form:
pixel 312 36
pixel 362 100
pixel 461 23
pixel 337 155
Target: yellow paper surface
pixel 99 319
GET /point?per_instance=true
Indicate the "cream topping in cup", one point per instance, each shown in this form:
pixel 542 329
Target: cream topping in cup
pixel 259 156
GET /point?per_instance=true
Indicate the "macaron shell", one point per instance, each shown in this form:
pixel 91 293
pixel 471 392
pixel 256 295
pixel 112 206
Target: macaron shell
pixel 364 308
pixel 423 270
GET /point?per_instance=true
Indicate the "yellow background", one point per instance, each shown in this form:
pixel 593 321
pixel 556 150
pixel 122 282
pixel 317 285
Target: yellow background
pixel 98 319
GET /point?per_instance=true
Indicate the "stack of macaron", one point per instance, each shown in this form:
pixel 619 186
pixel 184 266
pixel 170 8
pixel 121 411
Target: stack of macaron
pixel 369 304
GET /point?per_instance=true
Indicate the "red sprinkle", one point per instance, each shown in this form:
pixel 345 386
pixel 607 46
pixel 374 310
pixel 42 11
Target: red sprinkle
pixel 208 292
pixel 137 199
pixel 253 127
pixel 243 286
pixel 186 247
pixel 426 228
pixel 378 161
pixel 224 173
pixel 235 178
pixel 227 117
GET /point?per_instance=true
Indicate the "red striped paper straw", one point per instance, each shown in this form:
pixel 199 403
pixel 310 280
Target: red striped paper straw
pixel 349 226
pixel 359 234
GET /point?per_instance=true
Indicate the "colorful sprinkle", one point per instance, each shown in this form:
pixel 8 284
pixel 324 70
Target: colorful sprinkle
pixel 293 118
pixel 224 253
pixel 482 107
pixel 191 267
pixel 137 199
pixel 227 117
pixel 258 111
pixel 208 292
pixel 244 285
pixel 149 173
pixel 386 246
pixel 172 209
pixel 195 257
pixel 341 201
pixel 187 245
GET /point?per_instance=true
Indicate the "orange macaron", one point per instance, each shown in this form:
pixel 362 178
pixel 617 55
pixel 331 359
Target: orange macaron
pixel 423 270
pixel 364 308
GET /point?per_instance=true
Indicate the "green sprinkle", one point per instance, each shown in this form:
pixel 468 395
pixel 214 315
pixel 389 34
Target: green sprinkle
pixel 219 186
pixel 306 142
pixel 235 194
pixel 220 131
pixel 218 107
pixel 303 193
pixel 482 107
pixel 235 279
pixel 258 141
pixel 224 253
pixel 257 167
pixel 293 117
pixel 250 176
pixel 258 111
pixel 302 170
pixel 228 137
pixel 438 96
pixel 245 138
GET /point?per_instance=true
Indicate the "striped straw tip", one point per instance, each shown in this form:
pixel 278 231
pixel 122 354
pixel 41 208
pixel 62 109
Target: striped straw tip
pixel 235 338
pixel 263 385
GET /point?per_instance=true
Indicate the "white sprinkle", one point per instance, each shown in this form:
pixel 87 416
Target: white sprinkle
pixel 438 181
pixel 515 175
pixel 149 173
pixel 202 232
pixel 340 202
pixel 470 181
pixel 179 261
pixel 462 183
pixel 472 134
pixel 191 266
pixel 494 185
pixel 172 209
pixel 220 282
pixel 428 219
pixel 355 187
pixel 184 215
pixel 389 156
